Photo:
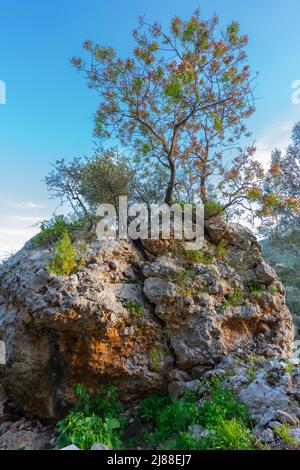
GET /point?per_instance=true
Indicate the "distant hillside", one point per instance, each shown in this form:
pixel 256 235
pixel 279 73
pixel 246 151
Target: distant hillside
pixel 287 267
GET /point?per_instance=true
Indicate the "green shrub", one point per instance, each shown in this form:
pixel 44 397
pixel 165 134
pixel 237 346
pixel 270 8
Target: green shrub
pixel 226 435
pixel 54 229
pixel 84 431
pixel 164 422
pixel 222 406
pixel 105 405
pixel 251 371
pixel 289 368
pixel 255 288
pixel 135 308
pixel 186 441
pixel 108 404
pixel 231 434
pixel 225 422
pixel 184 278
pixel 198 256
pixel 152 406
pixel 65 260
pixel 174 418
pixel 212 207
pixel 192 256
pixel 273 290
pixel 220 249
pixel 93 420
pixel 155 359
pixel 235 299
pixel 283 432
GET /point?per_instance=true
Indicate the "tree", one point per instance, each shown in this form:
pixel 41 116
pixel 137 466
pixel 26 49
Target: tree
pixel 283 188
pixel 180 99
pixel 105 177
pixel 64 182
pixel 84 183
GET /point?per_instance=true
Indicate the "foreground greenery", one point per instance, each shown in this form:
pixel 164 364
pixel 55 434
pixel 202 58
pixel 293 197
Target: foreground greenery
pixel 93 420
pixel 160 422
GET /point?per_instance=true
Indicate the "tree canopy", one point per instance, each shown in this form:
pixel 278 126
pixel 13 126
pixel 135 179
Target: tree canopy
pixel 180 100
pixel 283 190
pixel 177 107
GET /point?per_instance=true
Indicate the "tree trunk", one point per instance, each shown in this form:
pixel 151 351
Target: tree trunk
pixel 203 188
pixel 171 184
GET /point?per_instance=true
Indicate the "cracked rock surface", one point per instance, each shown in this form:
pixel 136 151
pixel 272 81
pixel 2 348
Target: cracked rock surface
pixel 60 331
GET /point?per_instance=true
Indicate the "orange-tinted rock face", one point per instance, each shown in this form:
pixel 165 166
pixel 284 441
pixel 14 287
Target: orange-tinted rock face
pixel 131 320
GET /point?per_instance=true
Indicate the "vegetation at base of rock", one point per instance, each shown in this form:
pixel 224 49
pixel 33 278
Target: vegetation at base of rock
pixel 226 435
pixel 164 423
pixel 65 258
pixel 225 422
pixel 150 407
pixel 93 420
pixel 84 431
pixel 135 308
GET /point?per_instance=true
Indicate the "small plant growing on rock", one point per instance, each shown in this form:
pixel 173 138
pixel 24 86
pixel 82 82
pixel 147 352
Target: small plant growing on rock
pixel 273 290
pixel 283 432
pixel 198 256
pixel 65 260
pixel 155 360
pixel 289 368
pixel 251 371
pixel 255 288
pixel 184 278
pixel 54 229
pixel 220 249
pixel 192 256
pixel 212 208
pixel 234 299
pixel 135 308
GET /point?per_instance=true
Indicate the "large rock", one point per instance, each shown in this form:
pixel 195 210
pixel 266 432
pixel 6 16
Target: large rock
pixel 60 331
pixel 234 304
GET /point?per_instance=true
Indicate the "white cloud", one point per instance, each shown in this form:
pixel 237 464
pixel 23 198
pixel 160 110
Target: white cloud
pixel 25 205
pixel 12 239
pixel 29 219
pixel 274 136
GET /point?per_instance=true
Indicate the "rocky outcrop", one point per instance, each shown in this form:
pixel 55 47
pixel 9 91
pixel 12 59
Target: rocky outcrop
pixel 138 317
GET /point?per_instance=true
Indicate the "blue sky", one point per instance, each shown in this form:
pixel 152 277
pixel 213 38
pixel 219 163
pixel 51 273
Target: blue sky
pixel 48 114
